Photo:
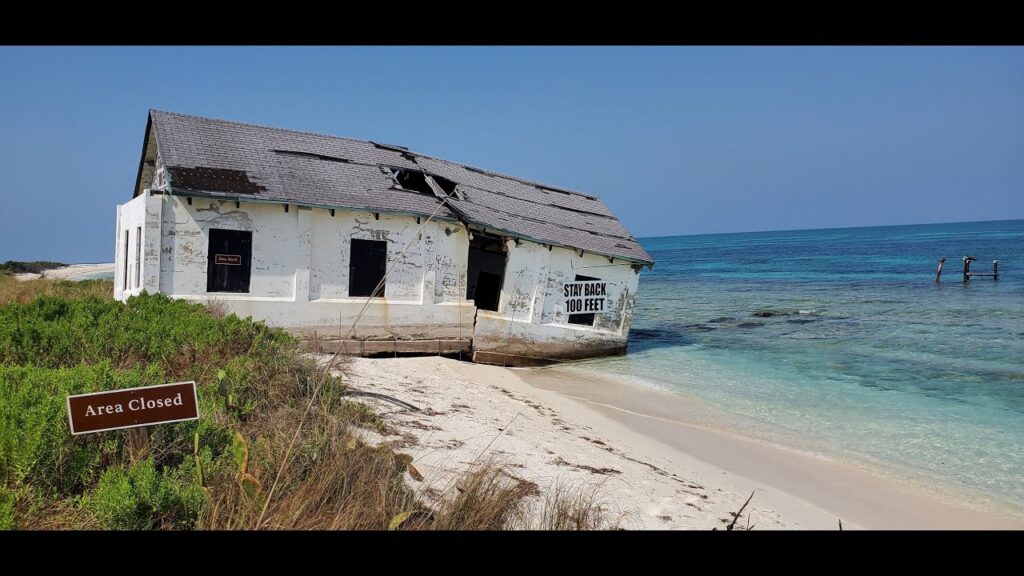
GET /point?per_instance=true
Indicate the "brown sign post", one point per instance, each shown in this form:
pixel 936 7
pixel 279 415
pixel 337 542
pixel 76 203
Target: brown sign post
pixel 132 407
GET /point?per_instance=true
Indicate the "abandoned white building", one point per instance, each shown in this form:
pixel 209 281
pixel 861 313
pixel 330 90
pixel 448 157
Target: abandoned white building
pixel 312 232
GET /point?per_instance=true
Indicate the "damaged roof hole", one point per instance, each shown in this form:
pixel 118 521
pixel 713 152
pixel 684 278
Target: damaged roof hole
pixel 391 147
pixel 411 180
pixel 578 211
pixel 477 170
pixel 311 155
pixel 447 185
pixel 214 180
pixel 566 192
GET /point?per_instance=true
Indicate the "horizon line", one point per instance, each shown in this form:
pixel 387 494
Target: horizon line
pixel 833 228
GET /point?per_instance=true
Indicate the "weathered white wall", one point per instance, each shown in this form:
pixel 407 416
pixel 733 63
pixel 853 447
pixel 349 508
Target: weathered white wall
pixel 300 267
pixel 299 273
pixel 184 257
pixel 531 320
pixel 142 211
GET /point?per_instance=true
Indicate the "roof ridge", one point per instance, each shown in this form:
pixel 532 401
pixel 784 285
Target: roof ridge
pixel 372 143
pixel 264 126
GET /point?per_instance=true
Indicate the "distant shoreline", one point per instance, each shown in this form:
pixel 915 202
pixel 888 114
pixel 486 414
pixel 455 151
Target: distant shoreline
pixel 70 272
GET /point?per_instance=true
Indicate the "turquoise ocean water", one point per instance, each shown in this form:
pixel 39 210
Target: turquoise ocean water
pixel 840 342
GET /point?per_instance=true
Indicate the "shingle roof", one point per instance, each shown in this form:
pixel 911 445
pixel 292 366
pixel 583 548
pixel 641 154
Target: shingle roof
pixel 230 159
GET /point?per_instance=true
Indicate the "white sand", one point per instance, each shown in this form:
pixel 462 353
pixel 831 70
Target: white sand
pixel 470 413
pixel 71 272
pixel 659 472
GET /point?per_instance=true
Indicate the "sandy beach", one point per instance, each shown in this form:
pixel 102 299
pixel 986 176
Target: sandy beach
pixel 71 272
pixel 653 467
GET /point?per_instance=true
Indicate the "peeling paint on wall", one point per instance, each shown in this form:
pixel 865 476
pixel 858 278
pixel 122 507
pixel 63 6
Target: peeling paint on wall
pixel 532 321
pixel 142 212
pixel 300 277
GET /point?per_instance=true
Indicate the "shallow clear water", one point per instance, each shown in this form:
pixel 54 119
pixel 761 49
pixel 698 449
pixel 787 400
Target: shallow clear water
pixel 856 350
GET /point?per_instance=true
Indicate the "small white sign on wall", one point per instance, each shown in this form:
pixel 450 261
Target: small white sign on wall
pixel 585 297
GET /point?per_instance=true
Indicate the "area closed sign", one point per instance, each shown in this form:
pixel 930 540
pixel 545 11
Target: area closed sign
pixel 131 407
pixel 584 297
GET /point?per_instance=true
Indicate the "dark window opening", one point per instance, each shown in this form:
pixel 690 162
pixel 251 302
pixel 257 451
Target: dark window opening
pixel 583 319
pixel 229 261
pixel 367 265
pixel 138 255
pixel 124 285
pixel 486 271
pixel 487 293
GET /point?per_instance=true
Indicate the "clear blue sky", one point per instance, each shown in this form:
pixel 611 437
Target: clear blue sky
pixel 677 140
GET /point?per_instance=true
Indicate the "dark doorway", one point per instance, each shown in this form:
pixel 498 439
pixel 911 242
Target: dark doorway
pixel 367 265
pixel 486 271
pixel 229 261
pixel 583 319
pixel 488 290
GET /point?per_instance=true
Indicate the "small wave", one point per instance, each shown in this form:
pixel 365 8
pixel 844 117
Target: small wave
pixel 770 313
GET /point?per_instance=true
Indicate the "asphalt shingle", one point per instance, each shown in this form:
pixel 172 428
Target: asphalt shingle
pixel 230 159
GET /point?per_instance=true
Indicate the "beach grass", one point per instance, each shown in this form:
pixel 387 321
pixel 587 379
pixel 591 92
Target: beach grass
pixel 13 291
pixel 257 393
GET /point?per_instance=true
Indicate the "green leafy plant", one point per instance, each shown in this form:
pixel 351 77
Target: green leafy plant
pixel 142 498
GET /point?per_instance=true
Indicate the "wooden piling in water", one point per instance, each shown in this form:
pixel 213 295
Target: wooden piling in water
pixel 967 269
pixel 938 273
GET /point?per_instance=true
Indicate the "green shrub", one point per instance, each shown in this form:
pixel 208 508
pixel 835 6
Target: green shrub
pixel 15 267
pixel 57 332
pixel 54 346
pixel 142 498
pixel 36 444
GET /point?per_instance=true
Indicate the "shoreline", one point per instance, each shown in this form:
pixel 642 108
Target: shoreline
pixel 552 425
pixel 868 494
pixel 69 272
